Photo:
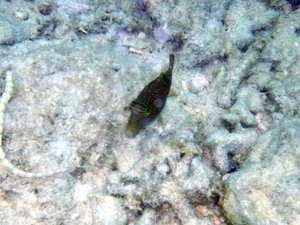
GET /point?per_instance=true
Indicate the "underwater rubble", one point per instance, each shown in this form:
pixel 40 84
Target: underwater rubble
pixel 225 148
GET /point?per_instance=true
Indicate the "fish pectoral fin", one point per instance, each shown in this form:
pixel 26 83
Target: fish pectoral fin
pixel 172 93
pixel 136 107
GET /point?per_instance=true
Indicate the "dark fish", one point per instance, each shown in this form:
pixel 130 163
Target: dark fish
pixel 150 102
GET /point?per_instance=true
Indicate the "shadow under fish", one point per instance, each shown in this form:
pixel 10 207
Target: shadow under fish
pixel 150 102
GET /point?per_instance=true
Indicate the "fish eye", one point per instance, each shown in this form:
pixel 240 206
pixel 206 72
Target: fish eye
pixel 147 112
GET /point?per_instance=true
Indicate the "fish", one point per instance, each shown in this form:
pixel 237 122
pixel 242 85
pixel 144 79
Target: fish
pixel 150 101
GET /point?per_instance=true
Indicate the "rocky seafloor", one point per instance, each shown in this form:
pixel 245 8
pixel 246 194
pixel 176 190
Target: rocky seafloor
pixel 225 149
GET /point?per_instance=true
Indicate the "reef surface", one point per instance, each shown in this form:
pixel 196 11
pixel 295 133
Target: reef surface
pixel 225 148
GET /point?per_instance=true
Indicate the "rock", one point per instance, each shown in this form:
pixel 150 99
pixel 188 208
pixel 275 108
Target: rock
pixel 12 31
pixel 242 21
pixel 267 190
pixel 109 211
pixel 230 149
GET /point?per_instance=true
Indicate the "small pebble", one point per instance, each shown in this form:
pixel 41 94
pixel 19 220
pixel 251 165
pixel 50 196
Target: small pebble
pixel 199 82
pixel 45 9
pixel 142 35
pixel 21 15
pixel 184 86
pixel 163 169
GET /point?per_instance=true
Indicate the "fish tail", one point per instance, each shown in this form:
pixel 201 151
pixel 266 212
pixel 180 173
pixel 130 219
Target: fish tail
pixel 133 126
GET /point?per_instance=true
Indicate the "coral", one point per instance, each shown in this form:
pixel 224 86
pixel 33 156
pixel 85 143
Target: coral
pixel 230 149
pixel 162 33
pixel 266 190
pixel 227 131
pixel 241 30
